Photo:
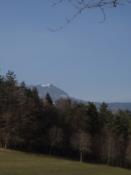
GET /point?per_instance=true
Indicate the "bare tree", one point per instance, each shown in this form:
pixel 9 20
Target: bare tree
pixel 85 5
pixel 55 137
pixel 81 142
pixel 81 5
pixel 128 152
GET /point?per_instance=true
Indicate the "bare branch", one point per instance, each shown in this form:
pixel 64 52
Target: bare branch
pixel 83 5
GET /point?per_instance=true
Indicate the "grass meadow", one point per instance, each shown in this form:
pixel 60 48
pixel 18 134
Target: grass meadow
pixel 18 163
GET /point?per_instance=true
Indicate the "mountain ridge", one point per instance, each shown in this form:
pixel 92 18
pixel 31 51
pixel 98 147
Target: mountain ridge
pixel 56 93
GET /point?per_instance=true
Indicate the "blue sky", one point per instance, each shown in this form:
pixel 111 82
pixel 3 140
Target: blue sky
pixel 88 59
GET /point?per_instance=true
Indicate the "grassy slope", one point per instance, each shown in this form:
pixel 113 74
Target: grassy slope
pixel 17 163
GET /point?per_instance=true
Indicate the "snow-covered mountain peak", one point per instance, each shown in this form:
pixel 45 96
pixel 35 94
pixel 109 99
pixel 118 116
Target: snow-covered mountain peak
pixel 46 85
pixel 55 92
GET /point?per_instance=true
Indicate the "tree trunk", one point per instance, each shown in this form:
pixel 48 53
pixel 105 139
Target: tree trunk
pixel 5 146
pixel 50 151
pixel 81 156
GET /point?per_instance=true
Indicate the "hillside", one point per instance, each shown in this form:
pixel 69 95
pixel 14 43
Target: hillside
pixel 17 163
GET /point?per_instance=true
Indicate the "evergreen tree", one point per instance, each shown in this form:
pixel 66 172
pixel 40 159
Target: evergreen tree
pixel 48 100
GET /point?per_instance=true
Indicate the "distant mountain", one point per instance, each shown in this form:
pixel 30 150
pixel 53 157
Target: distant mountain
pixel 117 106
pixel 114 106
pixel 57 93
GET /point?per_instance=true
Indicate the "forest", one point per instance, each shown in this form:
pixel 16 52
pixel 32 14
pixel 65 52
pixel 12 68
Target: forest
pixel 65 128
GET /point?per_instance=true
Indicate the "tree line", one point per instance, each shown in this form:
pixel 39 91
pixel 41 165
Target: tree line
pixel 66 128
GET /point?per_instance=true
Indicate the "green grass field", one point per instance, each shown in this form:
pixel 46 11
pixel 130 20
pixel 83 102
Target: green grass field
pixel 17 163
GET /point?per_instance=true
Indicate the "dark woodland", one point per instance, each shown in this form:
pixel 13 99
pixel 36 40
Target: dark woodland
pixel 65 128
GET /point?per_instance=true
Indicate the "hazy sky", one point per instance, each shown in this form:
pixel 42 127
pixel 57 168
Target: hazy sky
pixel 88 59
